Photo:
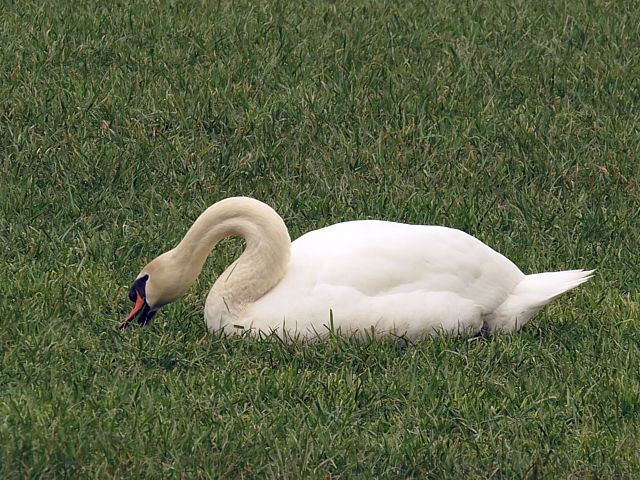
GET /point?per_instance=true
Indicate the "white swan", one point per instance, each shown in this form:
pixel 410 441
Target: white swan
pixel 355 277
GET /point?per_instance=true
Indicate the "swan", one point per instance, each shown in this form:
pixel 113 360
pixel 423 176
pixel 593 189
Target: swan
pixel 356 278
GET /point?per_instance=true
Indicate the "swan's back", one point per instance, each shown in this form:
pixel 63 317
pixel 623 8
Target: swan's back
pixel 406 279
pixel 382 256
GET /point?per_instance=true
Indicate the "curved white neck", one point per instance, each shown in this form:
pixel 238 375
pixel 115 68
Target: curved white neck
pixel 263 262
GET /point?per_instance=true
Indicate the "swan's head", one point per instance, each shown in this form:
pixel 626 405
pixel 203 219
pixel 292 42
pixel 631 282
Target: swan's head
pixel 161 282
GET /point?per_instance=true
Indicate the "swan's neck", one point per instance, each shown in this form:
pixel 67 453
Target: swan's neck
pixel 263 262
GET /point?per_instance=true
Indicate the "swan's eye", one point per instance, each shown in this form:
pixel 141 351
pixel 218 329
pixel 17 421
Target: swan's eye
pixel 139 286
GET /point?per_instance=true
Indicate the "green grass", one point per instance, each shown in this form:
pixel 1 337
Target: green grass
pixel 120 122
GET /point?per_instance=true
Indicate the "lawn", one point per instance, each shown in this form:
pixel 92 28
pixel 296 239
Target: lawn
pixel 121 121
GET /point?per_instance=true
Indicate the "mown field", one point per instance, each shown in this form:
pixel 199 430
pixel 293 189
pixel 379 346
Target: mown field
pixel 121 121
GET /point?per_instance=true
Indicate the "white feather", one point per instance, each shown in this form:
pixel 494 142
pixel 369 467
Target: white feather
pixel 354 277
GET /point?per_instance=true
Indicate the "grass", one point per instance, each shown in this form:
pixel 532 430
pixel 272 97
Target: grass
pixel 120 123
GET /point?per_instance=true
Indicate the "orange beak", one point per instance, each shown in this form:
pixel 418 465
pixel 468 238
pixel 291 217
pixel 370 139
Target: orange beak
pixel 136 308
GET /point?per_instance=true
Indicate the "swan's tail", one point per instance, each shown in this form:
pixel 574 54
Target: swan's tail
pixel 531 294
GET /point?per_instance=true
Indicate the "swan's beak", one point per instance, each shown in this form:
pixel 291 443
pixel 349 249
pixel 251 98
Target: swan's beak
pixel 141 310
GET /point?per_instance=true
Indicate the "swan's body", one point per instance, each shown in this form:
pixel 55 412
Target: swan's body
pixel 358 277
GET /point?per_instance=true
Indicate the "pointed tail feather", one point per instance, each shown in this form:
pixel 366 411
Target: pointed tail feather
pixel 544 287
pixel 533 293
